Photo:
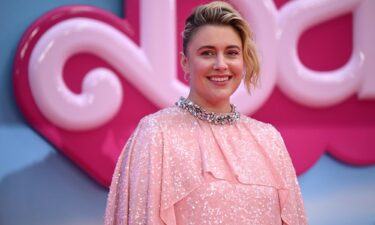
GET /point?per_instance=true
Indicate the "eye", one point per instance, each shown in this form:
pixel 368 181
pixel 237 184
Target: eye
pixel 208 53
pixel 233 52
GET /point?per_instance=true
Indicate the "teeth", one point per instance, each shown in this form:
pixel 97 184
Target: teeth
pixel 219 79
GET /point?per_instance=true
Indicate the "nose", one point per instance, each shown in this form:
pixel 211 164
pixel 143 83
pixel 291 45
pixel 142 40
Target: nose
pixel 220 63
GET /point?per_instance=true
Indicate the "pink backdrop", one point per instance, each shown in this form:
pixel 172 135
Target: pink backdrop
pixel 345 129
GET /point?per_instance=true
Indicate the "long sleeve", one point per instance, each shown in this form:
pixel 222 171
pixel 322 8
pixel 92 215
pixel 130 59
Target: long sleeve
pixel 134 196
pixel 292 212
pixel 176 169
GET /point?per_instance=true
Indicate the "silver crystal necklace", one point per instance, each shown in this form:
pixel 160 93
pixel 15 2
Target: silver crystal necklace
pixel 211 117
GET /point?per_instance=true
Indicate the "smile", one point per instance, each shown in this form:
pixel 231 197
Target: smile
pixel 219 79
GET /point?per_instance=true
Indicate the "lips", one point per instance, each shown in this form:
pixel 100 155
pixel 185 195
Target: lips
pixel 221 78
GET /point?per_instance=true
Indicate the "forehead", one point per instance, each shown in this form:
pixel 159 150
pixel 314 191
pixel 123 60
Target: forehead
pixel 216 36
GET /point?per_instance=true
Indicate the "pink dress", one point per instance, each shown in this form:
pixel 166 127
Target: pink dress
pixel 177 169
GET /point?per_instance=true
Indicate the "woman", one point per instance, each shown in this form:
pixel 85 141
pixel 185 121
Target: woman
pixel 200 161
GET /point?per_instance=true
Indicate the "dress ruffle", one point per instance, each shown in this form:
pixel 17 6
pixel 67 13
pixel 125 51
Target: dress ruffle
pixel 196 150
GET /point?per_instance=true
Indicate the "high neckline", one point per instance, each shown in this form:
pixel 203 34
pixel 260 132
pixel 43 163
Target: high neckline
pixel 211 117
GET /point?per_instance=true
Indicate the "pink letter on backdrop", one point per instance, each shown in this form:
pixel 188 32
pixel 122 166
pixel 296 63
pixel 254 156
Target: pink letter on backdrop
pixel 83 78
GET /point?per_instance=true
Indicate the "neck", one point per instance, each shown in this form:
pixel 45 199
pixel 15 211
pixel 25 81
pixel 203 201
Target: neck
pixel 218 106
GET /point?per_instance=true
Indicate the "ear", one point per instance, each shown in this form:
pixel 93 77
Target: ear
pixel 184 63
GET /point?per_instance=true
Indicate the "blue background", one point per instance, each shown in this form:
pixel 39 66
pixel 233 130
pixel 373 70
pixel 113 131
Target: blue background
pixel 38 185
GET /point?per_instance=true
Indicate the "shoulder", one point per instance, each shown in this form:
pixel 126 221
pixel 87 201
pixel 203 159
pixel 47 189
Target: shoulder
pixel 151 127
pixel 164 118
pixel 163 115
pixel 259 126
pixel 266 134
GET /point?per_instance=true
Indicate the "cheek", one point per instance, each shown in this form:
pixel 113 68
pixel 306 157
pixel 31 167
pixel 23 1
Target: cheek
pixel 200 68
pixel 238 68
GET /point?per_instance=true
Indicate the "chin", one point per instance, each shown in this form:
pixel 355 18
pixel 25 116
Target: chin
pixel 223 95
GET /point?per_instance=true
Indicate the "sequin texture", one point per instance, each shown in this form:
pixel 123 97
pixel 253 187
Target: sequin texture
pixel 177 169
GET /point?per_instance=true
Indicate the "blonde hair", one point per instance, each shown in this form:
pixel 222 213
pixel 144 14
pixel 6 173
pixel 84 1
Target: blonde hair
pixel 222 13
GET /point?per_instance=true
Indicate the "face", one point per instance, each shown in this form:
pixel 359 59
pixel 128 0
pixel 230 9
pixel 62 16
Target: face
pixel 214 62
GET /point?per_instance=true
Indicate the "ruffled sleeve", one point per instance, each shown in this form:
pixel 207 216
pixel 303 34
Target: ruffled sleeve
pixel 169 154
pixel 134 196
pixel 292 208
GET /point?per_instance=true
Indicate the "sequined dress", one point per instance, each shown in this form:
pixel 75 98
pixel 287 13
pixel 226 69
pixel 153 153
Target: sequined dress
pixel 177 169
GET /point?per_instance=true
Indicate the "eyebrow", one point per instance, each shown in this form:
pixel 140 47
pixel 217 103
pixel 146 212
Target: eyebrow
pixel 212 47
